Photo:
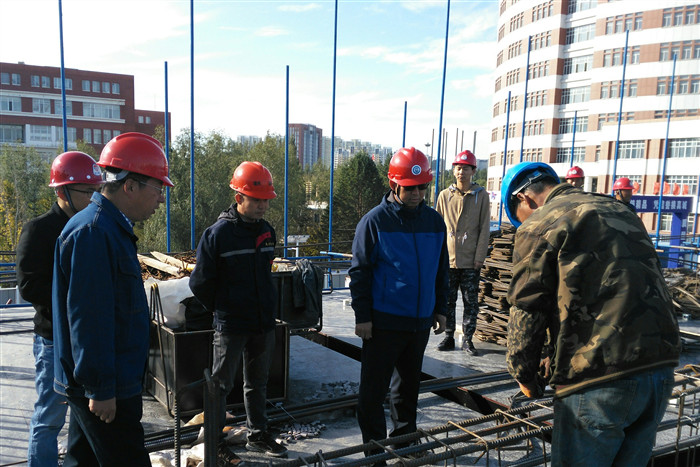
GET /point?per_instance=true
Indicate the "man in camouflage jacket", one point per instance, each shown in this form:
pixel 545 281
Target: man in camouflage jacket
pixel 585 268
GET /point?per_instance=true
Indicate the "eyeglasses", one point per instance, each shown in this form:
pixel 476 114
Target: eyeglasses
pixel 160 189
pixel 424 186
pixel 85 192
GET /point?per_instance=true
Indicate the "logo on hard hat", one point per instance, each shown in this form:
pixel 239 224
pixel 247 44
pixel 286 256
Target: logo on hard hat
pixel 416 169
pixel 464 157
pixel 96 170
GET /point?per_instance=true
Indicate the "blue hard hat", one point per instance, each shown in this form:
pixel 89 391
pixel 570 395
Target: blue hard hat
pixel 518 178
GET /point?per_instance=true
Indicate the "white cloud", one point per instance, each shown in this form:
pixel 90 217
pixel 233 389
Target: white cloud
pixel 271 31
pixel 299 8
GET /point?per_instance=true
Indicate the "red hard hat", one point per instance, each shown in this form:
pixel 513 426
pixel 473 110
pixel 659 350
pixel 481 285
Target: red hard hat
pixel 574 172
pixel 623 183
pixel 465 158
pixel 138 153
pixel 253 179
pixel 408 167
pixel 74 167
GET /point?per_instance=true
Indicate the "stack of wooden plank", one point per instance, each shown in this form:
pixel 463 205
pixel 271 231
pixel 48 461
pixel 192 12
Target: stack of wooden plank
pixel 684 285
pixel 492 321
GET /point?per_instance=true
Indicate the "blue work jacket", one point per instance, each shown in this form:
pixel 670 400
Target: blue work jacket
pixel 399 271
pixel 100 312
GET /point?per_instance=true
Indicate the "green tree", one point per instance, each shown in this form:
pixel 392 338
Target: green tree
pixel 480 177
pixel 358 188
pixel 24 191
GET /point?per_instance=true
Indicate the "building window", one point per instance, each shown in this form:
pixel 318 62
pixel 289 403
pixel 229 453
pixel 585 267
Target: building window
pixel 87 135
pixel 685 84
pixel 539 69
pixel 515 49
pixel 536 98
pixel 578 64
pixel 58 106
pixel 11 134
pixel 494 135
pixel 106 135
pixel 684 147
pixel 564 155
pixel 45 82
pixel 534 127
pixel 34 80
pixel 631 150
pixel 115 88
pixel 541 40
pixel 532 155
pixel 686 50
pixel 683 181
pixel 501 32
pixel 10 104
pixel 100 110
pixel 542 10
pixel 116 133
pixel 580 33
pixel 140 119
pixel 40 133
pixel 631 88
pixel 86 85
pixel 566 125
pixel 622 23
pixel 575 95
pixel 609 89
pixel 499 58
pixel 516 22
pixel 512 77
pixel 57 83
pixel 498 83
pixel 95 86
pixel 4 78
pixel 97 137
pixel 680 16
pixel 496 109
pixel 581 5
pixel 41 106
pixel 105 87
pixel 612 118
pixel 148 120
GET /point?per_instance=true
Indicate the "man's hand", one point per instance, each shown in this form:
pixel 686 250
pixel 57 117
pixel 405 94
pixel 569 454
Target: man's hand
pixel 106 410
pixel 439 323
pixel 534 388
pixel 364 330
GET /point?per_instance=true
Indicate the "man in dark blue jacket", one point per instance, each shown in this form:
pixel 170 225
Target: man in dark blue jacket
pixel 100 312
pixel 399 288
pixel 233 279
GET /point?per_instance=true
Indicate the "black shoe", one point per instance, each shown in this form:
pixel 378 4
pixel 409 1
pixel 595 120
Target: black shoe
pixel 448 343
pixel 266 444
pixel 470 349
pixel 226 457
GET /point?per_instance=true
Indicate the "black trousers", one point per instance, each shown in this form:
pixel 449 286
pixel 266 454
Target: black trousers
pixel 396 358
pixel 92 442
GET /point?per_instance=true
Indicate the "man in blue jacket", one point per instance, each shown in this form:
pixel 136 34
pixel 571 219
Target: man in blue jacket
pixel 233 279
pixel 399 288
pixel 100 313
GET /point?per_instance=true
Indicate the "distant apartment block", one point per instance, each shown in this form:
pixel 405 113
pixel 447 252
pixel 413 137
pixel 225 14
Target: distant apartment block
pixel 345 150
pixel 562 64
pixel 308 141
pixel 99 106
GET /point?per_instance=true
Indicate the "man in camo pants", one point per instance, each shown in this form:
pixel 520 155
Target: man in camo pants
pixel 465 208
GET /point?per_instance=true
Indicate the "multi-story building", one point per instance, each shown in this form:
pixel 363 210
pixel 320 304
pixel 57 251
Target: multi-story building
pixel 99 106
pixel 563 62
pixel 308 140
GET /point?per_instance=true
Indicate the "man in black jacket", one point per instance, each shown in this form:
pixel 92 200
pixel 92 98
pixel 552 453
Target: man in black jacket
pixel 233 279
pixel 75 176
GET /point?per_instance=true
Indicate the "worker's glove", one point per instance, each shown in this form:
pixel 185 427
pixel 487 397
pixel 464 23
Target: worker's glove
pixel 533 389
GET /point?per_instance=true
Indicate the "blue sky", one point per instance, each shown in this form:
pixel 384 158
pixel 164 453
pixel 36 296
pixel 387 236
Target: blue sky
pixel 389 52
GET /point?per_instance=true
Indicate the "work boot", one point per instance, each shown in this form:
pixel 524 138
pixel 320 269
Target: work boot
pixel 448 343
pixel 266 444
pixel 469 348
